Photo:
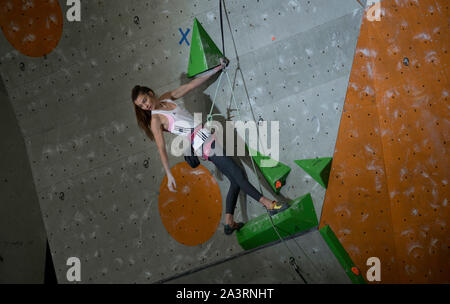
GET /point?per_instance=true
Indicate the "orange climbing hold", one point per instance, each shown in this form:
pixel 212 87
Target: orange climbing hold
pixel 190 215
pixel 355 270
pixel 278 184
pixel 33 28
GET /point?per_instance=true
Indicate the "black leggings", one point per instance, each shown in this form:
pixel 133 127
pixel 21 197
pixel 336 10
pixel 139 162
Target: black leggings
pixel 238 181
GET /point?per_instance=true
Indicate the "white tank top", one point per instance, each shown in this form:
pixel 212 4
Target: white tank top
pixel 181 122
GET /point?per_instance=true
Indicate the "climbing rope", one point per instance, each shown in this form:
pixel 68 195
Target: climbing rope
pixel 210 115
pixel 221 28
pixel 292 261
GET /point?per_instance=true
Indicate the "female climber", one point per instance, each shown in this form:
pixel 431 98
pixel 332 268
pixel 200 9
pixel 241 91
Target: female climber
pixel 156 114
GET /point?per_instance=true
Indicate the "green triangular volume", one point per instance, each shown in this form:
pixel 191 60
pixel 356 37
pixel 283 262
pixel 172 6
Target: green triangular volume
pixel 342 256
pixel 300 216
pixel 274 172
pixel 317 168
pixel 204 53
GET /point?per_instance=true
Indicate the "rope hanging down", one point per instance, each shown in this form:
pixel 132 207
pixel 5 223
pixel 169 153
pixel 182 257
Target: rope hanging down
pixel 292 261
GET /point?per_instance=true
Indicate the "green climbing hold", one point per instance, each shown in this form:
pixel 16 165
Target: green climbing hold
pixel 317 168
pixel 342 256
pixel 300 216
pixel 273 171
pixel 204 53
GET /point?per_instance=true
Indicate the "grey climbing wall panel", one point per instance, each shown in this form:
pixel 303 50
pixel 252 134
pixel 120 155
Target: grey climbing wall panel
pixel 316 263
pixel 22 233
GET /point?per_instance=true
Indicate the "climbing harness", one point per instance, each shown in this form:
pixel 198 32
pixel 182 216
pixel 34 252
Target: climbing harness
pixel 292 261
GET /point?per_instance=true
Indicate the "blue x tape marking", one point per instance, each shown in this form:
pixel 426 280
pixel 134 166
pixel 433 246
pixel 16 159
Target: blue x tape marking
pixel 184 36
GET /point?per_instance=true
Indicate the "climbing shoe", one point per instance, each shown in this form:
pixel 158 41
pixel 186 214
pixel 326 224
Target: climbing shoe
pixel 229 229
pixel 278 207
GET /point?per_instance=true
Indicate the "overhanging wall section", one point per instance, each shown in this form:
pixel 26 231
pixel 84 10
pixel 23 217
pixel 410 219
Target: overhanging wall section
pixel 388 190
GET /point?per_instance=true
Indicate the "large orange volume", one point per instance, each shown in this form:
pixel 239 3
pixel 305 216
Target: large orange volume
pixel 33 28
pixel 388 191
pixel 190 215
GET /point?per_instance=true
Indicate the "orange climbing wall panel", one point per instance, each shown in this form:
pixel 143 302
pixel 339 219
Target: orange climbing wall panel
pixel 388 191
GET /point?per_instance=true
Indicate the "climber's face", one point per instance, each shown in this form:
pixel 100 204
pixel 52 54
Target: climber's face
pixel 147 101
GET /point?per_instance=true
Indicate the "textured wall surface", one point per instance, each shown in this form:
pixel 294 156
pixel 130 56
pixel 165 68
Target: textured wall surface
pixel 96 174
pixel 388 191
pixel 315 260
pixel 22 234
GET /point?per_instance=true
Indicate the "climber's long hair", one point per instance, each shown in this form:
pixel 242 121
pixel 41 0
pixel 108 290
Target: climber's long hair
pixel 143 117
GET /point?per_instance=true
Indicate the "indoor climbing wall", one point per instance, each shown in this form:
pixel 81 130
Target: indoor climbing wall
pixel 388 190
pixel 317 263
pixel 296 73
pixel 22 247
pixel 97 176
